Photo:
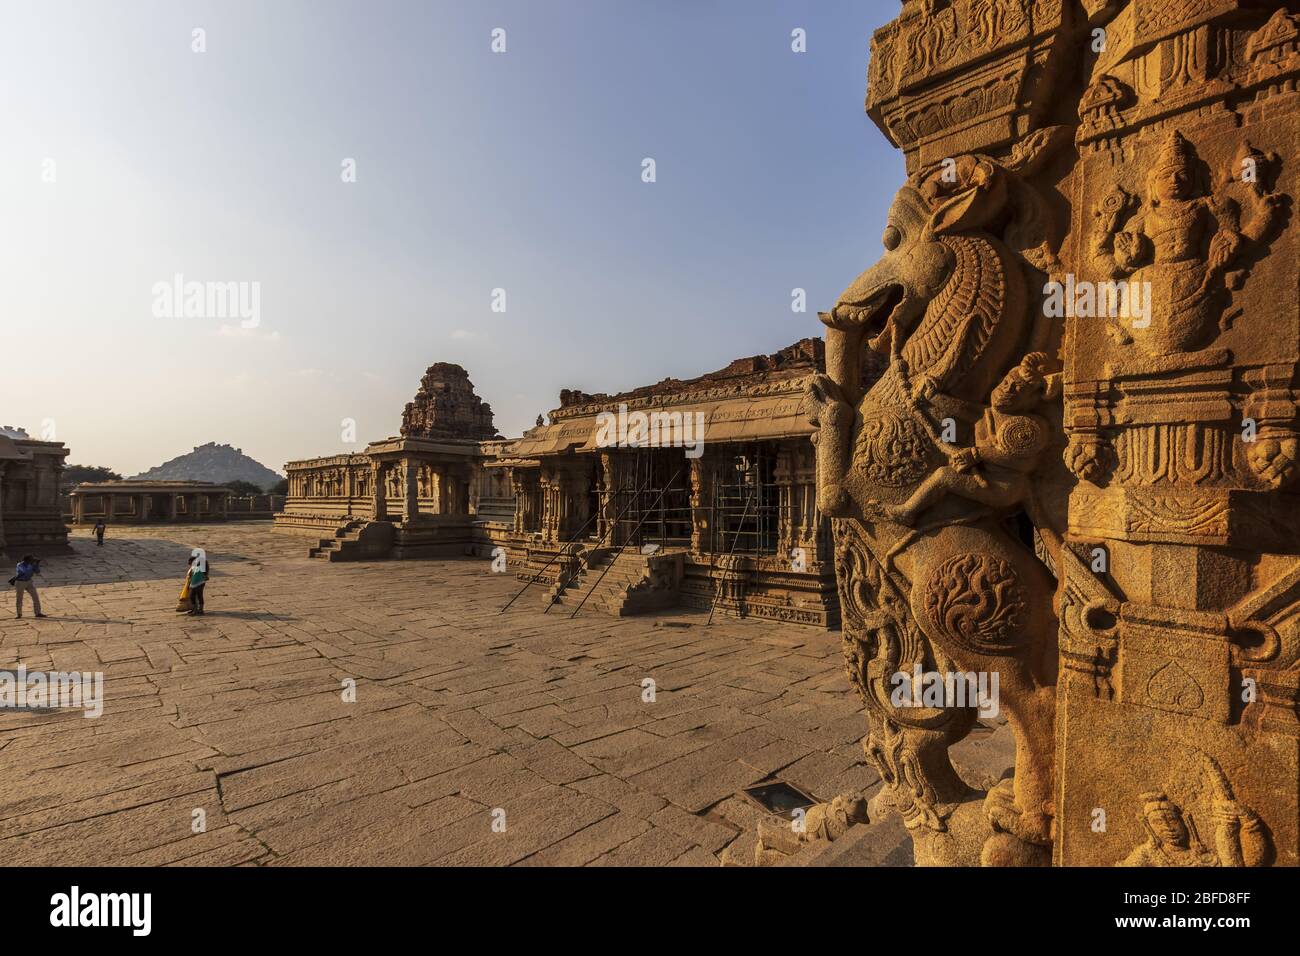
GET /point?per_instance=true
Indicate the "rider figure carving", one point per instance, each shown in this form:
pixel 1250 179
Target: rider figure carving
pixel 1009 438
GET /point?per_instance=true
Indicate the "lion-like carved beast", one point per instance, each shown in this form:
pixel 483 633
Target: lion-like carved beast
pixel 920 475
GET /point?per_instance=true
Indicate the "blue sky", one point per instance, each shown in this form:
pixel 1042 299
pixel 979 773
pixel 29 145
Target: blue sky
pixel 474 171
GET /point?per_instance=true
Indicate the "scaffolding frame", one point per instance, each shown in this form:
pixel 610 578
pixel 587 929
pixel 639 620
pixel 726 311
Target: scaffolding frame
pixel 743 503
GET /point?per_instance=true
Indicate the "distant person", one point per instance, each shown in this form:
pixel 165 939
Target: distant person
pixel 99 532
pixel 23 583
pixel 197 579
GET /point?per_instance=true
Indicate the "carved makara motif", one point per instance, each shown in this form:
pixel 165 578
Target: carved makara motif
pixel 1106 488
pixel 919 473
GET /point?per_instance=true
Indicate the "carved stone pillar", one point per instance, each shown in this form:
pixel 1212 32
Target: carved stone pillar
pixel 703 475
pixel 608 499
pixel 519 489
pixel 1181 563
pixel 464 477
pixel 552 503
pixel 1148 342
pixel 411 489
pixel 379 490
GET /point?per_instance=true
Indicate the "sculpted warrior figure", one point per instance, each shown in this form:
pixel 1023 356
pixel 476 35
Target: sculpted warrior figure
pixel 1173 840
pixel 1009 438
pixel 919 475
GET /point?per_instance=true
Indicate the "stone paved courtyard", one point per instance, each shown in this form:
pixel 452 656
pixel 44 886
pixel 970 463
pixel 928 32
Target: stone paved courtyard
pixel 459 711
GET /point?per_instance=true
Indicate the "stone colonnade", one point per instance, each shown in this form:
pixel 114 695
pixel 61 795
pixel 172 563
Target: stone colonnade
pixel 423 487
pixel 91 503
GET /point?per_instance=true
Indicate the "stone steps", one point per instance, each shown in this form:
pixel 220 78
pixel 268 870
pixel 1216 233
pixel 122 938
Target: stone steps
pixel 342 547
pixel 607 584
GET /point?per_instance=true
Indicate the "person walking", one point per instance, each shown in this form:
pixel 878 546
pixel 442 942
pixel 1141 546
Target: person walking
pixel 22 581
pixel 198 579
pixel 99 532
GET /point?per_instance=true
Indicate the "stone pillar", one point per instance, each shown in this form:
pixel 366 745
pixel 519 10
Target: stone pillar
pixel 703 474
pixel 538 503
pixel 473 479
pixel 607 501
pixel 379 490
pixel 526 485
pixel 411 486
pixel 1180 568
pixel 464 489
pixel 1164 700
pixel 446 490
pixel 38 482
pixel 518 488
pixel 550 503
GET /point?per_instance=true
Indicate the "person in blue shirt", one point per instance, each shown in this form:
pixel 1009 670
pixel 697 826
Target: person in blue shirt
pixel 28 567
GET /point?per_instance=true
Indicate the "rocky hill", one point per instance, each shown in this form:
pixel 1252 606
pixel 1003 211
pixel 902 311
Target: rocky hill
pixel 216 463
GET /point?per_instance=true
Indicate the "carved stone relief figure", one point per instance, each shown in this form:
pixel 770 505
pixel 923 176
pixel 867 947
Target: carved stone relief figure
pixel 1227 833
pixel 1185 243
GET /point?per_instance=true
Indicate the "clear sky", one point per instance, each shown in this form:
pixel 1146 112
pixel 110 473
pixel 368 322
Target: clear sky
pixel 130 158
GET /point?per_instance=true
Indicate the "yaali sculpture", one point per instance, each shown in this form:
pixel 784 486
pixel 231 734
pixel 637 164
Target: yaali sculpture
pixel 1096 503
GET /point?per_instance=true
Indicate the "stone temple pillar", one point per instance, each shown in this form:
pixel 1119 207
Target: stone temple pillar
pixel 378 491
pixel 1144 634
pixel 411 486
pixel 443 492
pixel 464 482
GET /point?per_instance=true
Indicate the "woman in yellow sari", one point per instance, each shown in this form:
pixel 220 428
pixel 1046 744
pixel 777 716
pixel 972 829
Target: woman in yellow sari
pixel 183 603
